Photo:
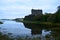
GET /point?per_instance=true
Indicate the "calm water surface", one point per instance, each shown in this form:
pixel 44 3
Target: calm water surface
pixel 16 28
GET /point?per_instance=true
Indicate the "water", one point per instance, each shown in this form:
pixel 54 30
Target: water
pixel 14 28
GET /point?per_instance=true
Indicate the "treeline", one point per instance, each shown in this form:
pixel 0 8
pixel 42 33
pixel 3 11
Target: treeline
pixel 47 17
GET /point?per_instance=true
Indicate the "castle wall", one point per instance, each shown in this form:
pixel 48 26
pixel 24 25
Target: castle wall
pixel 36 12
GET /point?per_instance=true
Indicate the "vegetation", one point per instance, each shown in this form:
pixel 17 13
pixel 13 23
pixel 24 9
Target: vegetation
pixel 49 21
pixel 18 19
pixel 5 37
pixel 47 17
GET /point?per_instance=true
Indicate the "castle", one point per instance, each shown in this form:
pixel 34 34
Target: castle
pixel 35 15
pixel 36 12
pixel 58 8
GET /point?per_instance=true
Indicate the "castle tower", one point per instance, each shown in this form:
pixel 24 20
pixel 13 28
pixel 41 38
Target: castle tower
pixel 59 8
pixel 36 12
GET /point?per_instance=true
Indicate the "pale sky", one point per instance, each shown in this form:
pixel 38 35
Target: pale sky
pixel 21 8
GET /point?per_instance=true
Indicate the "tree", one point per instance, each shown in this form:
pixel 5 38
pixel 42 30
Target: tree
pixel 57 15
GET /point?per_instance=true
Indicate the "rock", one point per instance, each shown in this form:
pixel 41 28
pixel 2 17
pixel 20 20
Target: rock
pixel 1 22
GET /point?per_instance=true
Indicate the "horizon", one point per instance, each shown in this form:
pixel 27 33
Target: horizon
pixel 10 9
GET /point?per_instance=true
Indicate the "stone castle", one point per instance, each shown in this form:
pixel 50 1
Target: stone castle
pixel 36 12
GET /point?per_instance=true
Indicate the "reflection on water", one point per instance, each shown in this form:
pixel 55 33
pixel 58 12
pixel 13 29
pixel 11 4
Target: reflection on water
pixel 15 28
pixel 52 32
pixel 35 28
pixel 29 29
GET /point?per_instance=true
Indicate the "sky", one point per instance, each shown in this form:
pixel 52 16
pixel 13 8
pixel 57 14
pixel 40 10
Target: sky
pixel 21 8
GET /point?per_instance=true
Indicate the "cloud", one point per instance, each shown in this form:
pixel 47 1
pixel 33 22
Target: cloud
pixel 20 8
pixel 13 1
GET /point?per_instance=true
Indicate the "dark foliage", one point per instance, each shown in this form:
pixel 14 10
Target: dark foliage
pixel 47 17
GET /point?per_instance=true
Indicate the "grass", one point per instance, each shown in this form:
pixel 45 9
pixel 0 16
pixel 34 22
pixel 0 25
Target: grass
pixel 38 22
pixel 6 37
